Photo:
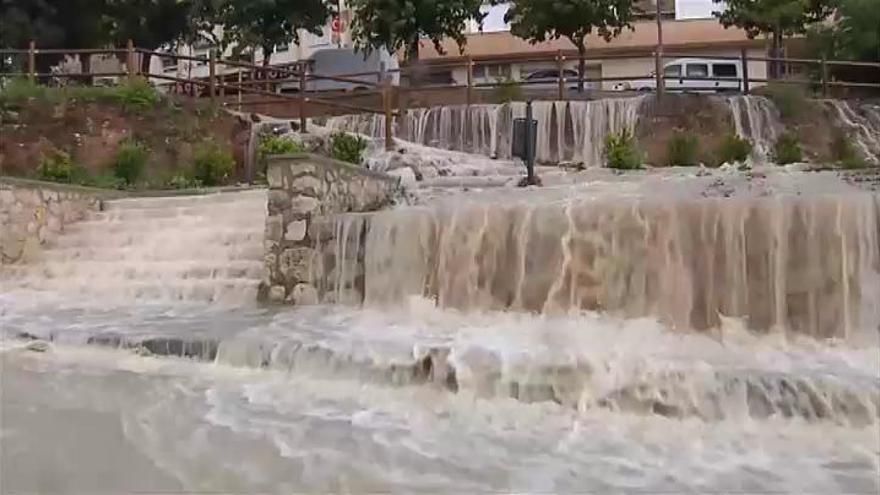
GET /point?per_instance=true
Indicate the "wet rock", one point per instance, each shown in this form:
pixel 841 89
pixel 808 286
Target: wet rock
pixel 38 346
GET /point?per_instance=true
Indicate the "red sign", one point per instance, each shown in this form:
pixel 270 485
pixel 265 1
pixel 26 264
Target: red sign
pixel 336 25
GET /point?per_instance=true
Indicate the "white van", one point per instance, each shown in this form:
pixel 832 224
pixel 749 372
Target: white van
pixel 343 62
pixel 694 74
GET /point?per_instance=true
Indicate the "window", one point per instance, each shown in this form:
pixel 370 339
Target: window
pixel 672 71
pixel 492 71
pixel 698 70
pixel 724 70
pixel 168 64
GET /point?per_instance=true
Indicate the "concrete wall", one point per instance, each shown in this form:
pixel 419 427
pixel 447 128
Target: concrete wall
pixel 305 190
pixel 33 213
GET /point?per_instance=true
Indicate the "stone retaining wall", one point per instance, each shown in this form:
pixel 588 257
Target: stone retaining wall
pixel 304 191
pixel 33 213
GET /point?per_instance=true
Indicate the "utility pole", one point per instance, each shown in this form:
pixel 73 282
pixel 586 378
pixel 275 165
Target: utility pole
pixel 658 54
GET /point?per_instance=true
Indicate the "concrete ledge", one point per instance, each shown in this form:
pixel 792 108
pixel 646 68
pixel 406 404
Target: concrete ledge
pixel 303 188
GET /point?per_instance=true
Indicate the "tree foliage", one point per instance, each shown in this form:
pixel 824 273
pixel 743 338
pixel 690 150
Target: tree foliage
pixel 268 23
pixel 777 18
pixel 539 20
pixel 400 24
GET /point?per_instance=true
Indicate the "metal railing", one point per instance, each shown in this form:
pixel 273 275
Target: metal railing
pixel 228 81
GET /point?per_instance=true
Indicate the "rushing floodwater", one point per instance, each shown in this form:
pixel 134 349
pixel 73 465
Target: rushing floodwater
pixel 409 397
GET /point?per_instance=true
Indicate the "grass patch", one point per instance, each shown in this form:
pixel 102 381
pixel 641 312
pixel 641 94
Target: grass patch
pixel 621 152
pixel 348 147
pixel 682 149
pixel 136 96
pixel 787 149
pixel 733 149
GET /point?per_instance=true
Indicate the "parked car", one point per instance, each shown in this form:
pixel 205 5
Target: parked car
pixel 693 74
pixel 341 62
pixel 549 79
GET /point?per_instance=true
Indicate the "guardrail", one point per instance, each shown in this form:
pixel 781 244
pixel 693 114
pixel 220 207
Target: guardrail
pixel 290 83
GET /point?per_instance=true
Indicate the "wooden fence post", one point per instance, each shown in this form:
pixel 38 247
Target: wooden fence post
pixel 658 72
pixel 32 61
pixel 824 78
pixel 744 57
pixel 238 90
pixel 387 105
pixel 469 97
pixel 129 62
pixel 302 97
pixel 560 75
pixel 212 75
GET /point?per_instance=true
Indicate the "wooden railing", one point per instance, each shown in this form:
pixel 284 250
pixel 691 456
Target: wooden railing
pixel 229 81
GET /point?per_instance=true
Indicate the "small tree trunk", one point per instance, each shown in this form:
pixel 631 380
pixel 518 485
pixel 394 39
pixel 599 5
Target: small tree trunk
pixel 776 52
pixel 267 57
pixel 412 59
pixel 582 65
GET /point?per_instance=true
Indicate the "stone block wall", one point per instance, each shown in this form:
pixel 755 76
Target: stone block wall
pixel 306 190
pixel 33 213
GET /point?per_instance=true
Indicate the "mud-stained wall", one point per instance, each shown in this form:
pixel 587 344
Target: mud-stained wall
pixel 303 191
pixel 33 213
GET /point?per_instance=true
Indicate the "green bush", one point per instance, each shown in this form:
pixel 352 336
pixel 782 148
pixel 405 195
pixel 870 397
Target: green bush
pixel 104 181
pixel 131 160
pixel 59 167
pixel 507 90
pixel 734 149
pixel 787 150
pixel 844 152
pixel 682 150
pixel 789 99
pixel 275 145
pixel 621 152
pixel 17 92
pixel 212 164
pixel 137 96
pixel 347 147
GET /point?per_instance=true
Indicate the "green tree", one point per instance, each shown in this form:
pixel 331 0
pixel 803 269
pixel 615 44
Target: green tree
pixel 268 23
pixel 539 20
pixel 401 24
pixel 149 23
pixel 776 18
pixel 53 24
pixel 852 34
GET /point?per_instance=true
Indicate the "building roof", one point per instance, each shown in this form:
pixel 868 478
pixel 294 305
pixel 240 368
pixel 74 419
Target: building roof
pixel 677 35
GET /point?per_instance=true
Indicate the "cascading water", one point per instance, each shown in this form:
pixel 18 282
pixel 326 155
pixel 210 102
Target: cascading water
pixel 862 125
pixel 572 131
pixel 807 265
pixel 575 301
pixel 193 248
pixel 756 119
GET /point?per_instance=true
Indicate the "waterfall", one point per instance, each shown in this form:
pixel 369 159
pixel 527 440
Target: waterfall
pixel 187 248
pixel 806 264
pixel 862 125
pixel 756 118
pixel 567 131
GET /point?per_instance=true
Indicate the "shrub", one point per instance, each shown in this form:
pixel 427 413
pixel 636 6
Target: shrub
pixel 787 150
pixel 275 145
pixel 212 165
pixel 507 90
pixel 131 159
pixel 734 149
pixel 347 147
pixel 59 167
pixel 621 152
pixel 105 181
pixel 844 153
pixel 137 96
pixel 682 150
pixel 790 100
